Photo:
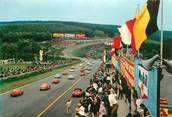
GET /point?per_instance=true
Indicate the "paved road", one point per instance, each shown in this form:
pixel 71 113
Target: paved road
pixel 68 52
pixel 34 101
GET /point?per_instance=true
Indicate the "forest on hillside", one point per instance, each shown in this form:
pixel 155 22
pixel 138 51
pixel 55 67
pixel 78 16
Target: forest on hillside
pixel 23 39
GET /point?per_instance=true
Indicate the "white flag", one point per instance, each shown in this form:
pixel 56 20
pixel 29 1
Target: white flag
pixel 125 34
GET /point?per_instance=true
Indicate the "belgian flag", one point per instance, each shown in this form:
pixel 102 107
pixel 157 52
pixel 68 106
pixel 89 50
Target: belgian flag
pixel 146 22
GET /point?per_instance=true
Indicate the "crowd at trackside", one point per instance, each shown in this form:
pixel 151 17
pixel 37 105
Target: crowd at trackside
pixel 7 72
pixel 101 97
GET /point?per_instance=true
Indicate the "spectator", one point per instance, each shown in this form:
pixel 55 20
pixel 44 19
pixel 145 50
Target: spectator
pixel 102 110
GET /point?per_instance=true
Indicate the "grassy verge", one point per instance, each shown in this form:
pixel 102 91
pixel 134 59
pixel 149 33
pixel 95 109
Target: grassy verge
pixel 7 85
pixel 82 51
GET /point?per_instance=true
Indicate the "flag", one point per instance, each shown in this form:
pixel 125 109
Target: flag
pixel 146 22
pixel 125 34
pixel 130 24
pixel 116 42
pixel 112 52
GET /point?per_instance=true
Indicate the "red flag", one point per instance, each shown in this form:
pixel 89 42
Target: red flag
pixel 130 25
pixel 112 52
pixel 116 42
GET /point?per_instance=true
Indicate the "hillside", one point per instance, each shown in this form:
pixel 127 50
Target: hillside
pixel 21 39
pixel 42 30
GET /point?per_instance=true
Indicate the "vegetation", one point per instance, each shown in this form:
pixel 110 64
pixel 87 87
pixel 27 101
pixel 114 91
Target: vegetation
pixel 23 39
pixel 19 81
pixel 91 51
pixel 152 46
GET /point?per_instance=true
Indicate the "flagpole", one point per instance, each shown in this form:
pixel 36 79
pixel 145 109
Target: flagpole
pixel 137 12
pixel 161 45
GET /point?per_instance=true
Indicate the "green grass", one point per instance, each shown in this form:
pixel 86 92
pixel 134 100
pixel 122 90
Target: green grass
pixel 21 81
pixel 81 52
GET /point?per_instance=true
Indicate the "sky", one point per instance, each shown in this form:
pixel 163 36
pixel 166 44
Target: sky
pixel 114 12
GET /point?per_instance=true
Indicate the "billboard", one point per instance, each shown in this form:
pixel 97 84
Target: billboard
pixel 69 35
pixel 80 36
pixel 58 35
pixel 146 83
pixel 41 55
pixel 127 69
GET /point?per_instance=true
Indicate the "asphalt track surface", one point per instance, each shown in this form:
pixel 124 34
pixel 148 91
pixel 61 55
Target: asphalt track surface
pixel 34 102
pixel 50 103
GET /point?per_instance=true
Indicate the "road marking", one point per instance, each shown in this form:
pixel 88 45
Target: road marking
pixel 52 103
pixel 37 81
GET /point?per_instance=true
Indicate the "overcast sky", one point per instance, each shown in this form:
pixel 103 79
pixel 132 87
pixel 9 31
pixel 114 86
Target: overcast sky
pixel 89 11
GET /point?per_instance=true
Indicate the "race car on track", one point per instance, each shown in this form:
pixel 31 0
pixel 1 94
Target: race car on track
pixel 82 70
pixel 16 92
pixel 88 72
pixel 71 70
pixel 88 68
pixel 65 73
pixel 71 77
pixel 45 86
pixel 72 67
pixel 82 74
pixel 57 76
pixel 55 81
pixel 77 92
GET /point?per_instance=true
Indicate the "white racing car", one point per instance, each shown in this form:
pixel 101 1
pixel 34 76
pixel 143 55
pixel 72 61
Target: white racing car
pixel 57 76
pixel 71 77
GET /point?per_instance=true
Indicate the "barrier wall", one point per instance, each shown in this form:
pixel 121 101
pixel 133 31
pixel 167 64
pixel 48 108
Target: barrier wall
pixel 145 83
pixel 127 69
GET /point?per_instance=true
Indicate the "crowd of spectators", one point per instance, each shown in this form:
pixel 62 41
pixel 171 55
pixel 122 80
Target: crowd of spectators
pixel 93 52
pixel 102 95
pixel 7 72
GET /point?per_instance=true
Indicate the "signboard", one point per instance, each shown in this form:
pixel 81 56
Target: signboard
pixel 69 35
pixel 127 69
pixel 58 35
pixel 143 82
pixel 146 83
pixel 80 36
pixel 41 55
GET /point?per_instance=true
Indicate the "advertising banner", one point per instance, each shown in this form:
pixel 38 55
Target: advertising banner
pixel 146 83
pixel 80 36
pixel 143 82
pixel 41 55
pixel 127 69
pixel 58 35
pixel 69 35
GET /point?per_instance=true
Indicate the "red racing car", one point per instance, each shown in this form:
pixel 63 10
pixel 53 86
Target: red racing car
pixel 82 74
pixel 65 73
pixel 16 92
pixel 45 86
pixel 77 92
pixel 55 81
